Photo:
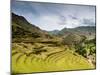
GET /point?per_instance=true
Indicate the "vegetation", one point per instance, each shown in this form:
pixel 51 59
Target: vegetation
pixel 27 60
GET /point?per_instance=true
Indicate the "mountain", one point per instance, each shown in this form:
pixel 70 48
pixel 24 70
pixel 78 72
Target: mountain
pixel 88 31
pixel 54 32
pixel 22 29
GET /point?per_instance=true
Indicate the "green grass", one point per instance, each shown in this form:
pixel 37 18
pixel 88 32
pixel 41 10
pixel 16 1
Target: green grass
pixel 55 59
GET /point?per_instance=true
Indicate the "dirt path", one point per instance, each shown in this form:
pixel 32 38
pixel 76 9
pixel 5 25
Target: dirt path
pixel 90 61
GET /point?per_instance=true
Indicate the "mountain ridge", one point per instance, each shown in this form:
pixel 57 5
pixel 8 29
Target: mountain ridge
pixel 21 28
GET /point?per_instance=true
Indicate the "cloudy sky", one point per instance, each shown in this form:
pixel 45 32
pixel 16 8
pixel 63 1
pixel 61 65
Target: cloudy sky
pixel 50 17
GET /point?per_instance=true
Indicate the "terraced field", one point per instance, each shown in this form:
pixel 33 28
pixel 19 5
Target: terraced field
pixel 40 57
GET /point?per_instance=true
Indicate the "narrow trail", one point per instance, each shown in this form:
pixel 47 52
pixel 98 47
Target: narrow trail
pixel 90 61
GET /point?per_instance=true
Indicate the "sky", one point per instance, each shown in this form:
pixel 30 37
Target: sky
pixel 51 16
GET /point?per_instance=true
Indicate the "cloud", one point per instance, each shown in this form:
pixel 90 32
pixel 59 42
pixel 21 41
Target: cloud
pixel 50 22
pixel 73 17
pixel 23 8
pixel 63 20
pixel 49 16
pixel 89 22
pixel 50 19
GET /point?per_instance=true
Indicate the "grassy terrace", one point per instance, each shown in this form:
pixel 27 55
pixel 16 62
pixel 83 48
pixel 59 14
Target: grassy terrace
pixel 40 57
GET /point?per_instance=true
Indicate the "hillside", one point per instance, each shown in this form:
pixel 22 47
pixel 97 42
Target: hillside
pixel 22 30
pixel 88 31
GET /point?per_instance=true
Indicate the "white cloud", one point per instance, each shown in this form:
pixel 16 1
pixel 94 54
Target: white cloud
pixel 72 23
pixel 55 16
pixel 53 22
pixel 49 22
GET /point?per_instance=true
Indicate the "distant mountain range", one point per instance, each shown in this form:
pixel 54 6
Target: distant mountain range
pixel 88 31
pixel 22 29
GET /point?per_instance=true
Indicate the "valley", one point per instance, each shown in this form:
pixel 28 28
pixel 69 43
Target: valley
pixel 37 50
